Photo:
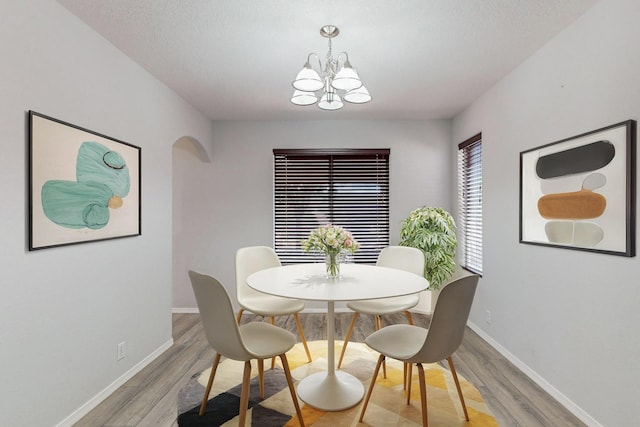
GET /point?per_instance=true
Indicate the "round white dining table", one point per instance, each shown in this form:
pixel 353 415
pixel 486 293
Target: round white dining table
pixel 333 390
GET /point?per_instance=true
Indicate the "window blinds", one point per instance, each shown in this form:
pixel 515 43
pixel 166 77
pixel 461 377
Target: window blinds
pixel 470 202
pixel 349 188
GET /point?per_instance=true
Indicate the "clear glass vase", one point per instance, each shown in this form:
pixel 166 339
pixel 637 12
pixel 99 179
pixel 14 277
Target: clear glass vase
pixel 332 262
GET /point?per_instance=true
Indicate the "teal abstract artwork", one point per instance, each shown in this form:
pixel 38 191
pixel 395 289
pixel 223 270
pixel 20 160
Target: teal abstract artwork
pixel 84 186
pixel 102 181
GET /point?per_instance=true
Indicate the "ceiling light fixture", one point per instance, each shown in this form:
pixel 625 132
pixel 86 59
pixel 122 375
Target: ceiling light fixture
pixel 337 78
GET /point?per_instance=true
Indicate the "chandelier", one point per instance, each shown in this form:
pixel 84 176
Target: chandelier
pixel 337 78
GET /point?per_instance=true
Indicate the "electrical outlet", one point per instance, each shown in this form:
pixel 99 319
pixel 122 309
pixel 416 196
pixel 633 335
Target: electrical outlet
pixel 121 351
pixel 487 317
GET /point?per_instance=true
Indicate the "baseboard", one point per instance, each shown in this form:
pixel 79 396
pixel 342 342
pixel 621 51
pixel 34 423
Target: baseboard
pixel 101 396
pixel 347 310
pixel 192 310
pixel 187 310
pixel 418 311
pixel 535 377
pixel 323 310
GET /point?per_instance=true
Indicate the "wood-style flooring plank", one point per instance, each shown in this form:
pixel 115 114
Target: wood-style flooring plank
pixel 150 397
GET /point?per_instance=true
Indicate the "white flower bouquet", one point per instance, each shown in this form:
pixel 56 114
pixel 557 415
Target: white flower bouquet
pixel 331 240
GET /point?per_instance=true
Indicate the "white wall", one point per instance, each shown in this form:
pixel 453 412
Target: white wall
pixel 63 310
pixel 228 203
pixel 570 317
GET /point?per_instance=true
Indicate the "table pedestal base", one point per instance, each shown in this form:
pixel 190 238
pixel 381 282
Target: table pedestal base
pixel 331 393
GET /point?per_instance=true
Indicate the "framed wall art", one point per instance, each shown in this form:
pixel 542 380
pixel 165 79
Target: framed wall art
pixel 579 193
pixel 83 186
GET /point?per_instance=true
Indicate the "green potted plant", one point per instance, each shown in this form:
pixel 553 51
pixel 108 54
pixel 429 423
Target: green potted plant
pixel 433 231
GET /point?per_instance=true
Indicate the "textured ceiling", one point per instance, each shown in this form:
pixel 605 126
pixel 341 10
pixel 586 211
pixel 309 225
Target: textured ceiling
pixel 420 59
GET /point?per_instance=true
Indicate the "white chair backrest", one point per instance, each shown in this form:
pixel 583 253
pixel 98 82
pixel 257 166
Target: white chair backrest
pixel 404 258
pixel 216 313
pixel 248 261
pixel 448 321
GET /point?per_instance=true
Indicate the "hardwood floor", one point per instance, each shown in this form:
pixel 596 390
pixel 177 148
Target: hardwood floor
pixel 150 398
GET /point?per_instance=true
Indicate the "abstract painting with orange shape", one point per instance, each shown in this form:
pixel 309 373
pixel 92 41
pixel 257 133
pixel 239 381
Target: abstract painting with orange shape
pixel 579 192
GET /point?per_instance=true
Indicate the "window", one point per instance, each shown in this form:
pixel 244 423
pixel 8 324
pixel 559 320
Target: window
pixel 470 202
pixel 349 188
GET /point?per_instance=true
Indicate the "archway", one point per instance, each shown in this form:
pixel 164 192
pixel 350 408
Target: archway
pixel 189 163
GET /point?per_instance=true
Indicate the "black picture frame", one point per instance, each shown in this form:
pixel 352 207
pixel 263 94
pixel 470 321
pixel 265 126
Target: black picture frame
pixel 83 186
pixel 579 193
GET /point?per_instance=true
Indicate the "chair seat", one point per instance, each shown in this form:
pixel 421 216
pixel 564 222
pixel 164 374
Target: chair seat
pixel 385 305
pixel 399 342
pixel 269 305
pixel 265 341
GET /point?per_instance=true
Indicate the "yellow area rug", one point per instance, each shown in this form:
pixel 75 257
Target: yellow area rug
pixel 387 406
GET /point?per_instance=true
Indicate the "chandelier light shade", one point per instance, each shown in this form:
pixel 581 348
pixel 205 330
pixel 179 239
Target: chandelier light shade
pixel 347 78
pixel 336 81
pixel 330 100
pixel 358 96
pixel 301 97
pixel 308 79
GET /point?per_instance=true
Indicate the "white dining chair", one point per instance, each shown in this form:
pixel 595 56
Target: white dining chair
pixel 254 340
pixel 255 258
pixel 415 345
pixel 403 258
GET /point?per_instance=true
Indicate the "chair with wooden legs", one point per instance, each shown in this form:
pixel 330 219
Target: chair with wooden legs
pixel 254 340
pixel 248 261
pixel 415 345
pixel 399 257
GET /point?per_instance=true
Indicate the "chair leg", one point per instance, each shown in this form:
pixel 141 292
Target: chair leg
pixel 302 338
pixel 423 395
pixel 261 377
pixel 404 376
pixel 239 318
pixel 409 376
pixel 348 337
pixel 455 378
pixel 378 323
pixel 408 379
pixel 287 374
pixel 373 383
pixel 409 317
pixel 214 367
pixel 244 393
pixel 273 359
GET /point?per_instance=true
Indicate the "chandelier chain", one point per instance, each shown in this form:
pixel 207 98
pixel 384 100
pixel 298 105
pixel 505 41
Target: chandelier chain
pixel 331 64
